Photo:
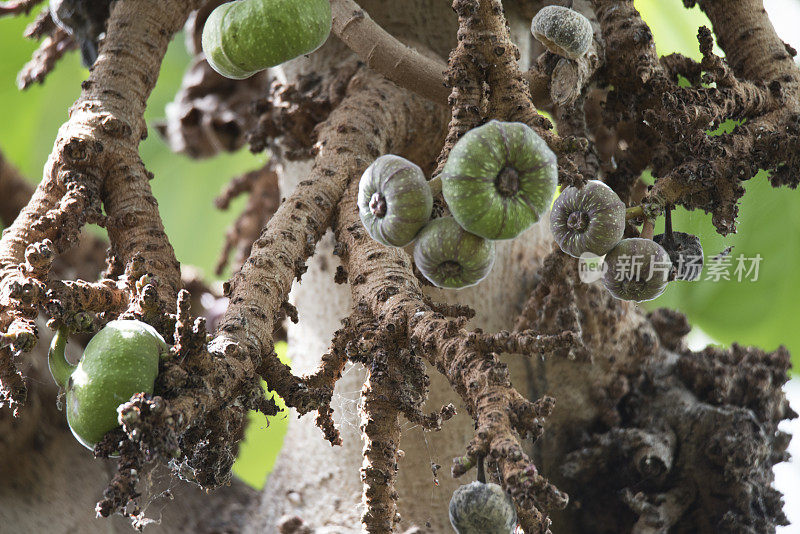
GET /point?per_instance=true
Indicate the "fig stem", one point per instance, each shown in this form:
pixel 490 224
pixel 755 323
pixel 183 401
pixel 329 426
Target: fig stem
pixel 634 213
pixel 60 368
pixel 481 472
pixel 668 236
pixel 647 229
pixel 435 184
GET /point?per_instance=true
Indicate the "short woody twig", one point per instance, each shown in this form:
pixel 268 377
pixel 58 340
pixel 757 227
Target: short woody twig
pixel 17 7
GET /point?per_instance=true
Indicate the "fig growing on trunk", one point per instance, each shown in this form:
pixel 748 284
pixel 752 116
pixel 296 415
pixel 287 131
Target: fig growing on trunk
pixel 119 361
pixel 563 31
pixel 499 179
pixel 451 257
pixel 684 250
pixel 637 269
pixel 394 200
pixel 479 508
pixel 589 219
pixel 243 37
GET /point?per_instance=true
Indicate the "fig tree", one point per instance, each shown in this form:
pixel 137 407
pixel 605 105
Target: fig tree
pixel 119 361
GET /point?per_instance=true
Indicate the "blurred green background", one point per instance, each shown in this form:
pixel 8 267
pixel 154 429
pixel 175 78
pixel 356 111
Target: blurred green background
pixel 761 312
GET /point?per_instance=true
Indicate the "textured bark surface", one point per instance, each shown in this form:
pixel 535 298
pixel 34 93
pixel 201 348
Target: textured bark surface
pixel 320 470
pixel 592 398
pixel 50 483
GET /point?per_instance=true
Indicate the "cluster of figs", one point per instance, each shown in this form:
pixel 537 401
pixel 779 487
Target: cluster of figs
pixel 497 181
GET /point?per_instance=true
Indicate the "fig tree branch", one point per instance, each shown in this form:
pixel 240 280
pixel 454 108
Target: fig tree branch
pixel 95 160
pixel 45 58
pixel 380 430
pixel 382 280
pixel 374 116
pixel 422 74
pixel 354 134
pixel 757 81
pixel 17 7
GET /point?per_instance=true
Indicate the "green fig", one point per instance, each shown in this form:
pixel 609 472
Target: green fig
pixel 243 37
pixel 451 257
pixel 119 361
pixel 499 179
pixel 394 200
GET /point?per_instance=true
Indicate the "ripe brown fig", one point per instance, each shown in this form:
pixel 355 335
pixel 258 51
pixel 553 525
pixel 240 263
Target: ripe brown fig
pixel 589 219
pixel 637 269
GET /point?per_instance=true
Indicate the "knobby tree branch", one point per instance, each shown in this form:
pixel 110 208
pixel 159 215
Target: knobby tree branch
pixel 95 163
pixel 619 109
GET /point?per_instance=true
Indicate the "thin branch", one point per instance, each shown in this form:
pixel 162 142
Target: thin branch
pixel 380 431
pixel 383 53
pixel 45 58
pixel 465 76
pixel 262 203
pixel 42 25
pixel 525 342
pixel 17 7
pixel 69 296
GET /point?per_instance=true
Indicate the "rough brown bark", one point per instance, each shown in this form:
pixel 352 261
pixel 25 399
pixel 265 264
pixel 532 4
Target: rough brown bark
pixel 95 159
pixel 640 432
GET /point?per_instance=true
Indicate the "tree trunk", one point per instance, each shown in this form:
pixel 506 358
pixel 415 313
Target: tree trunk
pixel 646 436
pixel 323 482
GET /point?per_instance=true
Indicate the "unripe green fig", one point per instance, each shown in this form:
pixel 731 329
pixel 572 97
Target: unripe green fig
pixel 563 31
pixel 589 219
pixel 498 179
pixel 637 269
pixel 451 257
pixel 479 508
pixel 243 37
pixel 119 361
pixel 394 200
